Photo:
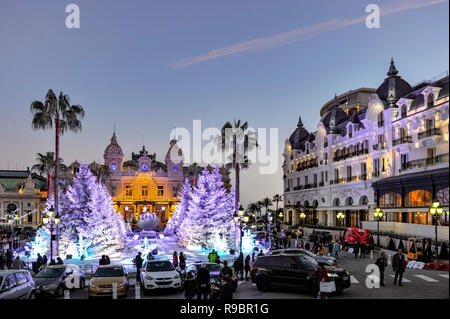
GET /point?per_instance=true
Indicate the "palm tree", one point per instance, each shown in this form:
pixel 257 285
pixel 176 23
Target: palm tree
pixel 253 208
pixel 267 202
pixel 277 198
pixel 238 140
pixel 45 165
pixel 260 205
pixel 102 172
pixel 56 111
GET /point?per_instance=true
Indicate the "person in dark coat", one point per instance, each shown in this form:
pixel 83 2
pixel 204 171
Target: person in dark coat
pixel 139 262
pixel 226 271
pixel 190 286
pixel 44 260
pixel 59 261
pixel 226 289
pixel 399 266
pixel 102 261
pixel 239 266
pixel 175 259
pixel 363 250
pixel 247 267
pixel 9 258
pixel 356 250
pixel 381 263
pixel 107 260
pixel 203 281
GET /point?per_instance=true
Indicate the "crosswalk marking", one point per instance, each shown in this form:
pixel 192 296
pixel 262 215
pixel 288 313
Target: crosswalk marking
pixel 445 276
pixel 426 278
pixel 353 280
pixel 403 279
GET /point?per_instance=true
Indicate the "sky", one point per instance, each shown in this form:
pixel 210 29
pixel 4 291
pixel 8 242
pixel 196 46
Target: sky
pixel 149 66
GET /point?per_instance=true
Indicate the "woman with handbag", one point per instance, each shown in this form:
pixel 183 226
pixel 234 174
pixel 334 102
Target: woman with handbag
pixel 321 278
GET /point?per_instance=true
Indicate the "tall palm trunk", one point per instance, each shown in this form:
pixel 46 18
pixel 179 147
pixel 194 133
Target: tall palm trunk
pixel 55 183
pixel 236 202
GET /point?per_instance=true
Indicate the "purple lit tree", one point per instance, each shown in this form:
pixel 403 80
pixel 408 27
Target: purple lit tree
pixel 179 215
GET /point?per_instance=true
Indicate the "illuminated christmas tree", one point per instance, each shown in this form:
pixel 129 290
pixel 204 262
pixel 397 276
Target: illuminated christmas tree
pixel 179 215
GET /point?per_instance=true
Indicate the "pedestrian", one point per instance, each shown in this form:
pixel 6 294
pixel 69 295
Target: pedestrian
pixel 399 266
pixel 253 257
pixel 321 249
pixel 381 263
pixel 356 250
pixel 247 267
pixel 182 260
pixel 45 260
pixel 226 271
pixel 175 259
pixel 108 261
pixel 203 281
pixel 138 261
pixel 190 286
pixel 302 244
pixel 226 289
pixel 9 258
pixel 52 262
pixel 2 261
pixel 239 266
pixel 363 250
pixel 218 261
pixel 330 248
pixel 321 276
pixel 212 256
pixel 336 248
pixel 17 264
pixel 102 261
pixel 150 256
pixel 307 246
pixel 59 261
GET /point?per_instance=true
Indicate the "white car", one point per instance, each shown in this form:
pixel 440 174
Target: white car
pixel 157 274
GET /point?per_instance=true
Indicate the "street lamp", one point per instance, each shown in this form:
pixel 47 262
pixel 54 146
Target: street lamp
pixel 302 217
pixel 436 211
pixel 340 217
pixel 281 217
pixel 241 218
pixel 52 220
pixel 379 216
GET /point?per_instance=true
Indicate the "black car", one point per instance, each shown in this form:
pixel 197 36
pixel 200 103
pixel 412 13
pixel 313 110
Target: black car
pixel 322 260
pixel 293 271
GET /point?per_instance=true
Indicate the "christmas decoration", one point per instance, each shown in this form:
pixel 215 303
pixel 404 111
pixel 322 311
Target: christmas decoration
pixel 39 245
pixel 179 215
pixel 148 221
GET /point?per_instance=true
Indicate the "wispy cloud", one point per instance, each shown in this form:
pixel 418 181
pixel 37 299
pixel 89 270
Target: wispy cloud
pixel 299 34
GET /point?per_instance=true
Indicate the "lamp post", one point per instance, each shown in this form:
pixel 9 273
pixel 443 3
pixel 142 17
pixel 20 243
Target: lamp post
pixel 302 217
pixel 281 217
pixel 49 218
pixel 340 217
pixel 241 218
pixel 379 216
pixel 436 211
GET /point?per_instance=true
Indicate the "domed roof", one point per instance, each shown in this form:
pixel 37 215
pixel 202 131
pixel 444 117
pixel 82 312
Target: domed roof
pixel 113 148
pixel 334 117
pixel 393 87
pixel 300 136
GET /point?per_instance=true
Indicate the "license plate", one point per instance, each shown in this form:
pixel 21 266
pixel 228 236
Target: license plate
pixel 164 286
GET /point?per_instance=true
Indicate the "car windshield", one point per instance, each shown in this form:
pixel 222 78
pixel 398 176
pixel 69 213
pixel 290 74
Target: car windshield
pixel 109 272
pixel 50 272
pixel 308 253
pixel 307 261
pixel 160 266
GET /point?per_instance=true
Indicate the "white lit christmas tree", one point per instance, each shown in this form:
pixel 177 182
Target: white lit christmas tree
pixel 180 210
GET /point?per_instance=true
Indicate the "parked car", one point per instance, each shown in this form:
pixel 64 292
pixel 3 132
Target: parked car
pixel 53 280
pixel 16 284
pixel 214 270
pixel 322 260
pixel 157 274
pixel 105 276
pixel 296 271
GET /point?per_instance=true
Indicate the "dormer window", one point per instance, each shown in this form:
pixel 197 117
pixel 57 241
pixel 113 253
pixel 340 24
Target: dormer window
pixel 403 114
pixel 350 131
pixel 430 102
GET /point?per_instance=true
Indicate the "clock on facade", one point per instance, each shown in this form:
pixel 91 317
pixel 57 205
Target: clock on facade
pixel 144 167
pixel 175 168
pixel 113 166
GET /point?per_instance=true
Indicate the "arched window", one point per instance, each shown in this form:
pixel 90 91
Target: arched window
pixel 350 132
pixel 363 200
pixel 391 200
pixel 430 99
pixel 419 198
pixel 336 202
pixel 349 201
pixel 403 110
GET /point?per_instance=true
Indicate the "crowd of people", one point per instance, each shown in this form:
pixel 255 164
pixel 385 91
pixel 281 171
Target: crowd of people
pixel 7 260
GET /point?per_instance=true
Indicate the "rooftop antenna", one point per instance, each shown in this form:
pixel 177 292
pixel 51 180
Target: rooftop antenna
pixel 114 128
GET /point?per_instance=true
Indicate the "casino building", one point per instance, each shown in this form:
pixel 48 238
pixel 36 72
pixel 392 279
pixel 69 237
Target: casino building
pixel 386 147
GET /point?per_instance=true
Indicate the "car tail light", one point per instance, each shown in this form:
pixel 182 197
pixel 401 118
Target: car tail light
pixel 251 269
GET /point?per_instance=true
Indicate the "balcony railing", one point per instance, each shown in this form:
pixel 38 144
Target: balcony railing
pixel 424 162
pixel 430 132
pixel 402 140
pixel 379 146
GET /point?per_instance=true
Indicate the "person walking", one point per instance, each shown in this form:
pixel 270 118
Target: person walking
pixel 218 261
pixel 239 266
pixel 45 260
pixel 253 257
pixel 381 262
pixel 225 271
pixel 321 276
pixel 356 250
pixel 175 259
pixel 363 250
pixel 330 248
pixel 17 264
pixel 182 260
pixel 138 261
pixel 203 281
pixel 108 261
pixel 247 267
pixel 399 266
pixel 190 287
pixel 59 261
pixel 2 260
pixel 336 247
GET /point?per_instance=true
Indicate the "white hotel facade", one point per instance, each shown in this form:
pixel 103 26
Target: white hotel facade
pixel 385 147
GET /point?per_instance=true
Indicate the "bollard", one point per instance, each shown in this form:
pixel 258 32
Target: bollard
pixel 389 259
pixel 114 287
pixel 137 291
pixel 371 254
pixel 66 294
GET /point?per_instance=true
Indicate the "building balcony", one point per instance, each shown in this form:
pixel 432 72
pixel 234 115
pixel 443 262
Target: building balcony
pixel 430 132
pixel 362 152
pixel 402 140
pixel 425 162
pixel 379 146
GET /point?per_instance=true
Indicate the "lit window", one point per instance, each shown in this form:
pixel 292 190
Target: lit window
pixel 160 190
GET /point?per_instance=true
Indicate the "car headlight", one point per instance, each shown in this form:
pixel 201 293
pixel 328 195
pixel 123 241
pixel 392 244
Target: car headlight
pixel 49 286
pixel 91 284
pixel 148 277
pixel 333 275
pixel 122 284
pixel 176 276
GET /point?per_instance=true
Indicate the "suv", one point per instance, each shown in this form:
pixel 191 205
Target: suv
pixel 321 260
pixel 53 280
pixel 293 271
pixel 159 274
pixel 16 284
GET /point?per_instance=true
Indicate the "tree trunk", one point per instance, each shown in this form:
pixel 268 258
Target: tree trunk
pixel 55 183
pixel 236 203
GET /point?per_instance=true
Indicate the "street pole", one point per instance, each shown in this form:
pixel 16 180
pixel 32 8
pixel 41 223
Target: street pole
pixel 51 241
pixel 435 227
pixel 378 232
pixel 270 237
pixel 240 243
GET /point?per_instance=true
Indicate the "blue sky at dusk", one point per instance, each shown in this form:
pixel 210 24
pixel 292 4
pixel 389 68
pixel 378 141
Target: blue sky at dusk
pixel 130 63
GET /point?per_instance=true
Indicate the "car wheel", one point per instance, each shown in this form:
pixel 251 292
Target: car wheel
pixel 262 283
pixel 82 283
